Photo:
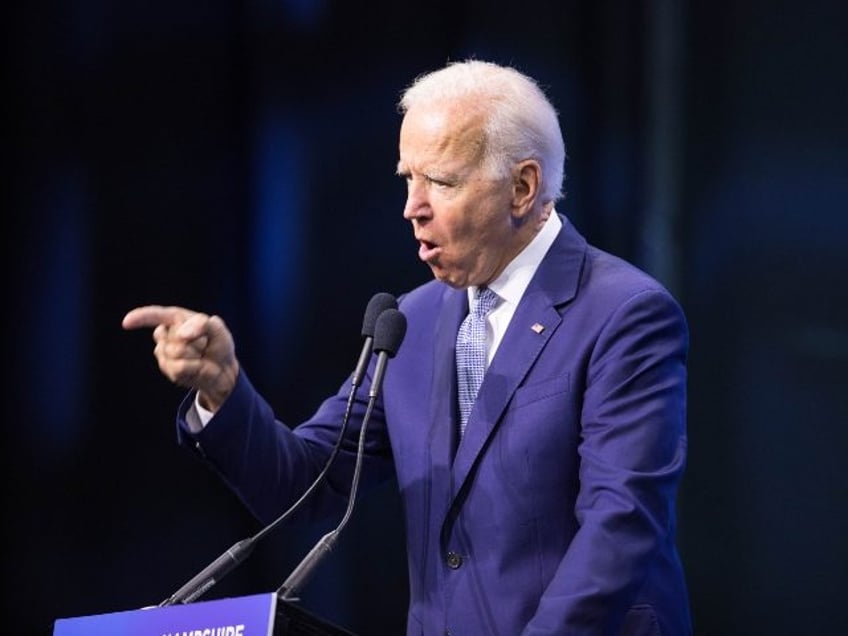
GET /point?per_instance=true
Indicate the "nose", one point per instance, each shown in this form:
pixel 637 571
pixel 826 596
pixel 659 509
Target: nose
pixel 417 203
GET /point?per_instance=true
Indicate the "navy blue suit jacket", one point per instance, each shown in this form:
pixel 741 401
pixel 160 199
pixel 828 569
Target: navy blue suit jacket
pixel 556 512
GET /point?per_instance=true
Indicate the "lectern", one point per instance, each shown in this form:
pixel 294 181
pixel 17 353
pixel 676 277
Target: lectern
pixel 256 615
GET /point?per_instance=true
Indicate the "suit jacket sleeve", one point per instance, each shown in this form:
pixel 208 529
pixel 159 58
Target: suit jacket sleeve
pixel 269 465
pixel 632 454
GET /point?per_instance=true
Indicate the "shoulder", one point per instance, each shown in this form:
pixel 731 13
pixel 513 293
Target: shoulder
pixel 616 299
pixel 612 279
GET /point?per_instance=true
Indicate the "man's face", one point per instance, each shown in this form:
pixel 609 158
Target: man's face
pixel 461 216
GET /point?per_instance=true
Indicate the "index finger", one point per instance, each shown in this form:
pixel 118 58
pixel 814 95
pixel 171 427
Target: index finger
pixel 154 315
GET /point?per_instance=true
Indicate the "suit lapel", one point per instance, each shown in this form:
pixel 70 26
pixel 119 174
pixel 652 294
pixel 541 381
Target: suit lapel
pixel 535 320
pixel 444 422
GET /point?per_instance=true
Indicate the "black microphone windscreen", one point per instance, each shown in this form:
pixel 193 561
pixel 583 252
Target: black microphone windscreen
pixel 377 305
pixel 389 331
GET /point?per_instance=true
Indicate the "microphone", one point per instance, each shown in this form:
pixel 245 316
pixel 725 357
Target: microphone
pixel 238 552
pixel 389 333
pixel 377 305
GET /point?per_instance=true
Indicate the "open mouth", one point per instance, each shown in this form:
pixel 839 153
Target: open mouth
pixel 427 250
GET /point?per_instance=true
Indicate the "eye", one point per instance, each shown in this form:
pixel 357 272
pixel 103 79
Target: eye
pixel 439 183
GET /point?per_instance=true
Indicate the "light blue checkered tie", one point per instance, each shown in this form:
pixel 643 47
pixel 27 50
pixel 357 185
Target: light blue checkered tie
pixel 471 351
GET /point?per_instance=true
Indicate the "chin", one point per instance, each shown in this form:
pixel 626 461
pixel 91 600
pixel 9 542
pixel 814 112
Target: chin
pixel 444 277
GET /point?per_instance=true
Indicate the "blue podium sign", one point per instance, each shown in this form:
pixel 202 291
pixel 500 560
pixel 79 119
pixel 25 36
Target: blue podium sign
pixel 241 616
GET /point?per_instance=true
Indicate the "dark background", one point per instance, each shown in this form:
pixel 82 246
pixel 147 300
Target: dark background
pixel 238 158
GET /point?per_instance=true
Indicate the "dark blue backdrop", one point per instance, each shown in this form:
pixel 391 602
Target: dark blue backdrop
pixel 239 158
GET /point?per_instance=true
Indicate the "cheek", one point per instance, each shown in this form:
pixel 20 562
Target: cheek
pixel 468 224
pixel 451 221
pixel 466 243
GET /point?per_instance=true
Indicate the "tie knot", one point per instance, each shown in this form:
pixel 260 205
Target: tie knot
pixel 483 301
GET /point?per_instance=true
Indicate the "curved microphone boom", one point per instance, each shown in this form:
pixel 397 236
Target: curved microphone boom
pixel 239 551
pixel 389 333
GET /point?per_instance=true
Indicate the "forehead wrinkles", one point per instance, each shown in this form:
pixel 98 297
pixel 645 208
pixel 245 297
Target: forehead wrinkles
pixel 443 137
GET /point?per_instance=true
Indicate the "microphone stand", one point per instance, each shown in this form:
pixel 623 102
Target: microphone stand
pixel 240 550
pixel 389 333
pixel 325 545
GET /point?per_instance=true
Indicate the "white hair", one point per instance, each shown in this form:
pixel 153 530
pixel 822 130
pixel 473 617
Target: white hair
pixel 521 123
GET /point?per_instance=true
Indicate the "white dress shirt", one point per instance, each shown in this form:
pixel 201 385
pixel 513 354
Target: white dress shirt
pixel 512 283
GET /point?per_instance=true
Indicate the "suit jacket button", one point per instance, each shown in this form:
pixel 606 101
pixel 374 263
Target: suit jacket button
pixel 454 561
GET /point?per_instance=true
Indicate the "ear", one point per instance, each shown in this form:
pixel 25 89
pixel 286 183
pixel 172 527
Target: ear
pixel 526 181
